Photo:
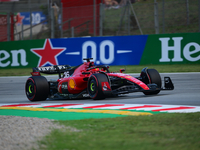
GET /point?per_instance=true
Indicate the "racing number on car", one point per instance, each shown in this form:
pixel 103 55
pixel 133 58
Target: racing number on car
pixel 102 46
pixel 66 74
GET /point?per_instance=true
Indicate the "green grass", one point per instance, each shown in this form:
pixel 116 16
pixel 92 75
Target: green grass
pixel 129 69
pixel 15 72
pixel 161 131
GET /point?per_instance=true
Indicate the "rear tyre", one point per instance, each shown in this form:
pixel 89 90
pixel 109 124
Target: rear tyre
pixel 37 88
pixel 95 86
pixel 154 77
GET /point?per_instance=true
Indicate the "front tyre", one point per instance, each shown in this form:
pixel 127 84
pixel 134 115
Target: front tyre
pixel 37 88
pixel 95 88
pixel 154 77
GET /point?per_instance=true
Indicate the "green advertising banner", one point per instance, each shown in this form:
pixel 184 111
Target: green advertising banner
pixel 181 48
pixel 17 54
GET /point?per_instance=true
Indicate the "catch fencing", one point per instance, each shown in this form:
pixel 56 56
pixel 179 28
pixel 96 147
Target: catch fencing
pixel 153 17
pixel 127 18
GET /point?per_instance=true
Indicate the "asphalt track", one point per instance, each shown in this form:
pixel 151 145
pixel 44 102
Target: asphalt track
pixel 186 92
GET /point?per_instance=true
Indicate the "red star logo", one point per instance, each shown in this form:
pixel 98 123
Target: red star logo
pixel 48 54
pixel 19 18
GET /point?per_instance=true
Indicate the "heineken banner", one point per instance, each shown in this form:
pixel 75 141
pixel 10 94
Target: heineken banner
pixel 115 50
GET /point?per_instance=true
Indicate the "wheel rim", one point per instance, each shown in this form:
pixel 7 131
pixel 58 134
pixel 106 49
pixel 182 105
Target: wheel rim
pixel 30 90
pixel 92 87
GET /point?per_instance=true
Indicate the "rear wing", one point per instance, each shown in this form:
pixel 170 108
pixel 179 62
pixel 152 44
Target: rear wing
pixel 56 69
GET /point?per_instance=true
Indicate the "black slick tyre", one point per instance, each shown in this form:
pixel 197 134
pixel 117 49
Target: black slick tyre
pixel 37 88
pixel 154 77
pixel 94 87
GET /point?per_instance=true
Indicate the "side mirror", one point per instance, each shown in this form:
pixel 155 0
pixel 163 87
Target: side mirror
pixel 122 70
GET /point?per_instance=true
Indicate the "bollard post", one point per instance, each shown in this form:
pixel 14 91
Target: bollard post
pixel 156 17
pixel 8 27
pixel 52 23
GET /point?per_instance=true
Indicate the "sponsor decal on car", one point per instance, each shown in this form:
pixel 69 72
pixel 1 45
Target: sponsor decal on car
pixel 128 76
pixel 64 87
pixel 105 86
pixel 86 95
pixel 59 88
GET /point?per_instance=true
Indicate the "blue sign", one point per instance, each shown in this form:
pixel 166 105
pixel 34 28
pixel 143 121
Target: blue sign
pixel 116 50
pixel 37 17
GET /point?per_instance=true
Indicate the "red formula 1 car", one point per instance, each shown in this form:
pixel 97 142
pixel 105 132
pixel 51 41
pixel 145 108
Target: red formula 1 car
pixel 88 80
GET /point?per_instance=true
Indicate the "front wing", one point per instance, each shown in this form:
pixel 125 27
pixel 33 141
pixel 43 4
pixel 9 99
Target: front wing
pixel 168 85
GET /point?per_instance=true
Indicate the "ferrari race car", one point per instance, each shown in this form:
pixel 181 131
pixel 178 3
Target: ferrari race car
pixel 89 80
